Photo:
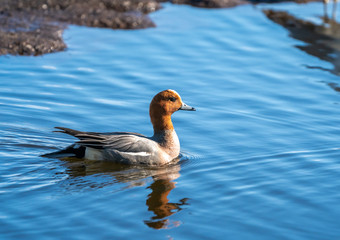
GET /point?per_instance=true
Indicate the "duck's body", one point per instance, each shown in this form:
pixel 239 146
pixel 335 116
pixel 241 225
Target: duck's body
pixel 133 148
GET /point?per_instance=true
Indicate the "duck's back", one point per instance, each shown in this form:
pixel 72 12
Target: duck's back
pixel 122 147
pixel 125 148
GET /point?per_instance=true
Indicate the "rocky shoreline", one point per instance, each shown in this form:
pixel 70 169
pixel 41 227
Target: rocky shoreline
pixel 35 27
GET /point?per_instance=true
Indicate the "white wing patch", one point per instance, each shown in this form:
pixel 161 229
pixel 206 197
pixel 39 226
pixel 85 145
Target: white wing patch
pixel 142 154
pixel 99 155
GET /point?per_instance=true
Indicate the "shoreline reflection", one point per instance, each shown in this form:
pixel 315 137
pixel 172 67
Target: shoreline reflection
pixel 322 41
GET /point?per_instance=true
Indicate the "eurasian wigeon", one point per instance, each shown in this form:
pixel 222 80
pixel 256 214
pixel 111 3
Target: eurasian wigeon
pixel 133 148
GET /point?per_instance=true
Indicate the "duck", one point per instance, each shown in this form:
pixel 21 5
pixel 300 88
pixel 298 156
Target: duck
pixel 128 147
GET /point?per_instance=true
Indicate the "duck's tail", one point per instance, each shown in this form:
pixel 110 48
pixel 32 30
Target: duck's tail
pixel 68 131
pixel 74 150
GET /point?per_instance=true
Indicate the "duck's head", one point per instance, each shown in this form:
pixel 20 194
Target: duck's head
pixel 163 105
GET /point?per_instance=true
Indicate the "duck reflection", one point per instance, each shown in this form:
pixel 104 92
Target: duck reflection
pixel 157 201
pixel 322 41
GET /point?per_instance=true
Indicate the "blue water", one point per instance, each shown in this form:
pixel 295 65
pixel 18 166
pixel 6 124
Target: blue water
pixel 261 155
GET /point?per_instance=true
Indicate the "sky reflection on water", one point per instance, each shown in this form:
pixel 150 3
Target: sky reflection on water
pixel 260 155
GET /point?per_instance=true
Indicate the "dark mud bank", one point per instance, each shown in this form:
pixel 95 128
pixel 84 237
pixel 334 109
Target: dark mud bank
pixel 35 27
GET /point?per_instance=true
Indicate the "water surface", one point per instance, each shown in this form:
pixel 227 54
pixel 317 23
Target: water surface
pixel 260 157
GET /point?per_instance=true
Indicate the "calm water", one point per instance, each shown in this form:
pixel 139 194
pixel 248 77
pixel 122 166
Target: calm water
pixel 261 156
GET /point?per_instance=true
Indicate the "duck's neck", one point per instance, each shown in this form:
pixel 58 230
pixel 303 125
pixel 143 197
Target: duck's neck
pixel 164 133
pixel 161 123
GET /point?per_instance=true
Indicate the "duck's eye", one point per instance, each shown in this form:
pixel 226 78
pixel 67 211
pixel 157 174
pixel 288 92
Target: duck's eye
pixel 172 99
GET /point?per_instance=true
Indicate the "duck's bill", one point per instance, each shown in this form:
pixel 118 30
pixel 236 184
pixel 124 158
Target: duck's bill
pixel 186 107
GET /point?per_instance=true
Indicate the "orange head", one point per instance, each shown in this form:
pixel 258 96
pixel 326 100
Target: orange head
pixel 162 106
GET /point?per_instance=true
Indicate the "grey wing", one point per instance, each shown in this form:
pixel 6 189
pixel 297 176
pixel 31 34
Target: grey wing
pixel 129 149
pixel 122 143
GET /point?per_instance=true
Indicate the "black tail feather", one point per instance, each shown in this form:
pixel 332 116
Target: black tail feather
pixel 71 151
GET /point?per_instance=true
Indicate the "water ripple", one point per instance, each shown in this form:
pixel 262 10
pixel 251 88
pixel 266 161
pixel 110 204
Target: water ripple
pixel 259 157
